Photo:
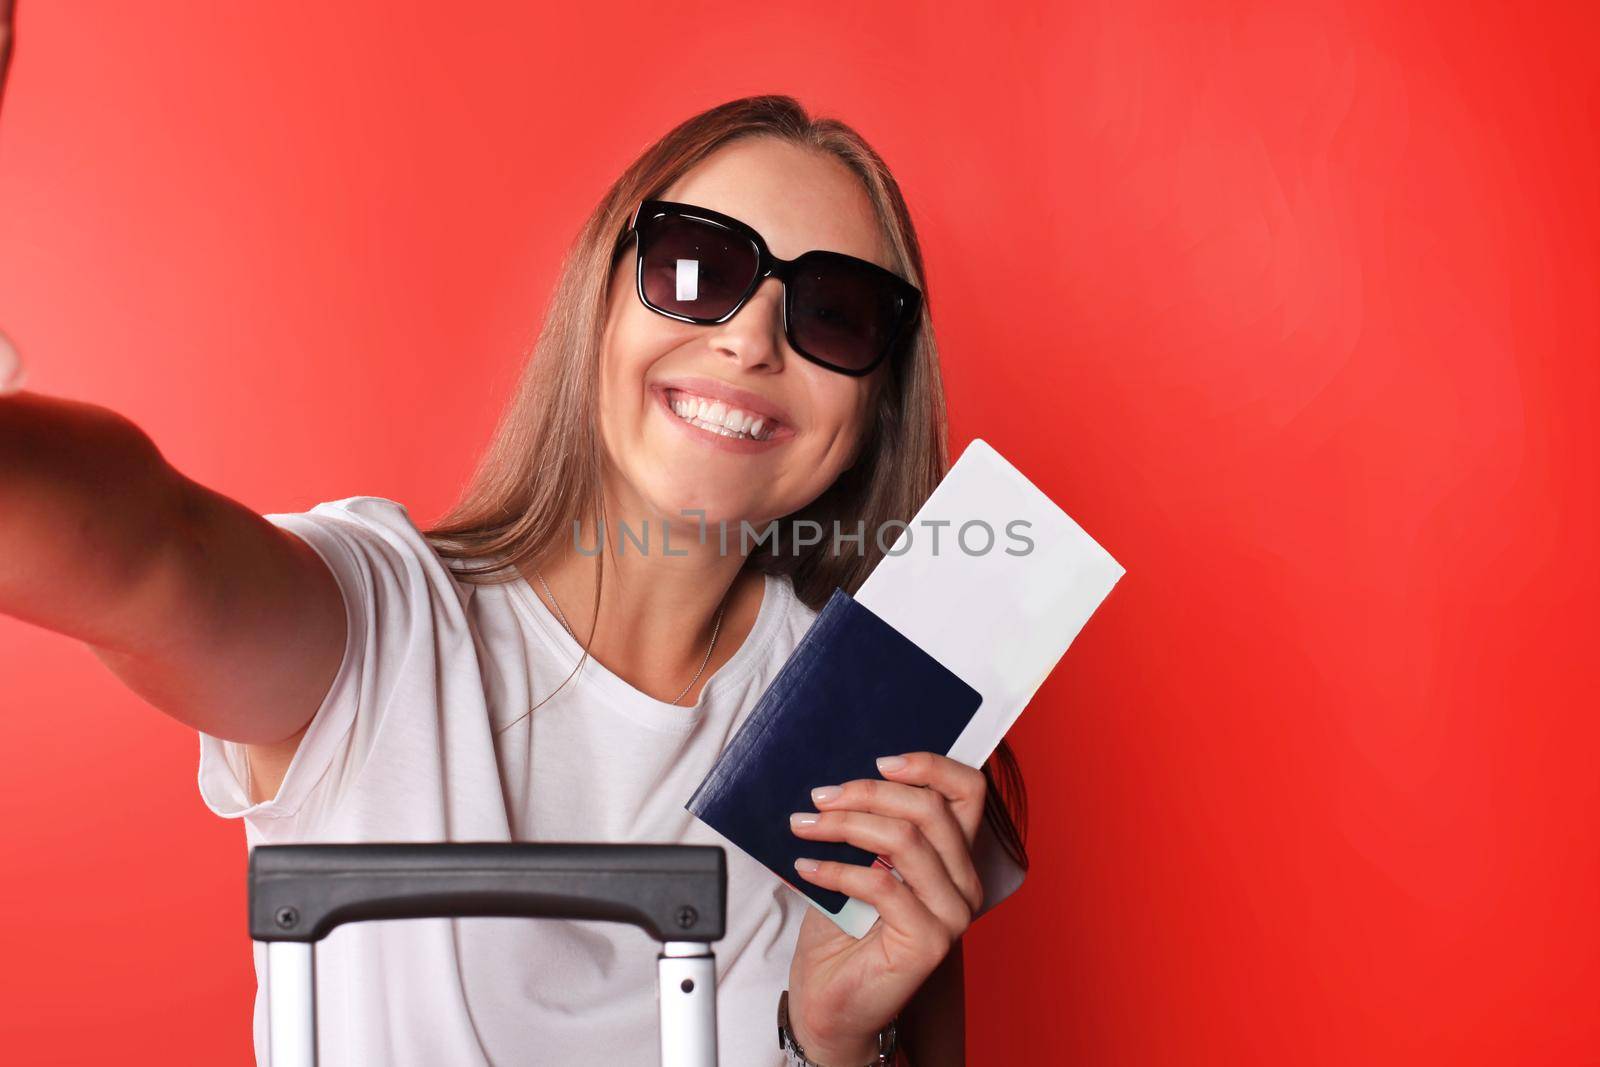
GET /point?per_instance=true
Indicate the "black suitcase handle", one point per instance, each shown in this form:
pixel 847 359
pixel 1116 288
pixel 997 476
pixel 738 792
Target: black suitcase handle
pixel 672 892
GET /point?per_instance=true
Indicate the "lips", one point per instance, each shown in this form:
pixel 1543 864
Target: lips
pixel 717 436
pixel 731 396
pixel 716 417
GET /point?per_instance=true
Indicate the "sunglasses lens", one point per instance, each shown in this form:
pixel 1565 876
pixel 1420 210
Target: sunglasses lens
pixel 842 311
pixel 695 268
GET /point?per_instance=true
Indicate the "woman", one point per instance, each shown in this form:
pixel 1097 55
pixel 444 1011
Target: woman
pixel 565 654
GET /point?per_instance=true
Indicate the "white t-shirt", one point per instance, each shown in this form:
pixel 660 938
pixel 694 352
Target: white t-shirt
pixel 425 735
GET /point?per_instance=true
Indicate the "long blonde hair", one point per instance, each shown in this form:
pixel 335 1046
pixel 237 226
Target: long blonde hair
pixel 542 469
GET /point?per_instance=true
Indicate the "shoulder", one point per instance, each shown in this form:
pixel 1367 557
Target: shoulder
pixel 373 512
pixel 373 546
pixel 351 516
pixel 998 871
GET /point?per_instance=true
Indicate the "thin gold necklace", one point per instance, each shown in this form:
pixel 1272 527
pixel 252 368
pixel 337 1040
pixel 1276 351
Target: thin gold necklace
pixel 714 628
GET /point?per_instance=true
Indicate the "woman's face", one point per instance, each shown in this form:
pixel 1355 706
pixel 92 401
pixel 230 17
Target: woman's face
pixel 661 464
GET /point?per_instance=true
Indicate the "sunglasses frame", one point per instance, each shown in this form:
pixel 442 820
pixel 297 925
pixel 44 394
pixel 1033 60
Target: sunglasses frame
pixel 767 265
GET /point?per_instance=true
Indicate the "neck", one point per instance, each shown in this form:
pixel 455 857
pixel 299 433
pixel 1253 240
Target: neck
pixel 657 611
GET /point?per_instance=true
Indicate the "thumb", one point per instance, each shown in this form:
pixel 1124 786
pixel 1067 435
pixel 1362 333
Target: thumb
pixel 12 372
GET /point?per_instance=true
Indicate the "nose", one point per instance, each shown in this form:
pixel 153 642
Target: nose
pixel 754 336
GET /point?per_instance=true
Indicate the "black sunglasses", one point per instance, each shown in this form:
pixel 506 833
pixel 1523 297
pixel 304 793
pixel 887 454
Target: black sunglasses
pixel 698 265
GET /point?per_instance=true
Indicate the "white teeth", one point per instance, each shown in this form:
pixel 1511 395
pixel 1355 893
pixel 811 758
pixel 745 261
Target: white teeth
pixel 720 418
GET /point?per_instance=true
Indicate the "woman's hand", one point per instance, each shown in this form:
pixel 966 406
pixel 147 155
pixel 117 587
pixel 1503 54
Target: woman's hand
pixel 10 362
pixel 923 820
pixel 11 373
pixel 5 44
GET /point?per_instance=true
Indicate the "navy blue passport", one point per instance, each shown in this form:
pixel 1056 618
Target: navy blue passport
pixel 854 688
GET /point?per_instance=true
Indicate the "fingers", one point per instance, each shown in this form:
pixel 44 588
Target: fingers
pixel 904 845
pixel 5 44
pixel 912 828
pixel 11 371
pixel 926 809
pixel 898 907
pixel 964 787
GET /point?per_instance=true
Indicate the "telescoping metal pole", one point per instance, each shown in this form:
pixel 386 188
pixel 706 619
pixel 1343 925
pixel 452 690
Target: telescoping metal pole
pixel 675 893
pixel 291 992
pixel 688 984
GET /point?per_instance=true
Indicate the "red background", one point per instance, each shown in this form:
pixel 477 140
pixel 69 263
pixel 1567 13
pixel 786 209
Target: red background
pixel 1294 308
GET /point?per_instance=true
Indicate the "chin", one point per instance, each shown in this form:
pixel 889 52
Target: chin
pixel 696 496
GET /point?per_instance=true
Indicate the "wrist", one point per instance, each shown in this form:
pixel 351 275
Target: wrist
pixel 823 1051
pixel 816 1046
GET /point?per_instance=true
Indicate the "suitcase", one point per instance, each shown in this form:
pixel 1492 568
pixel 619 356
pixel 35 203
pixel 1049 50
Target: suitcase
pixel 675 893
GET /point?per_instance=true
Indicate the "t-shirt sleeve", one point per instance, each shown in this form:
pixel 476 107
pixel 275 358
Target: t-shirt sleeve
pixel 390 579
pixel 1000 874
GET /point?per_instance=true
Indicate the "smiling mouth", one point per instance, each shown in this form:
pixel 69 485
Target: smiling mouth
pixel 719 417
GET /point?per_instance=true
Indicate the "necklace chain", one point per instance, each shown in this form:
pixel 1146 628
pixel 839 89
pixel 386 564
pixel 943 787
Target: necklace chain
pixel 716 626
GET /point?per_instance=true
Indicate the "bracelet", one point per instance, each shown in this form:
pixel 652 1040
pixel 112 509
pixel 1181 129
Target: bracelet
pixel 888 1042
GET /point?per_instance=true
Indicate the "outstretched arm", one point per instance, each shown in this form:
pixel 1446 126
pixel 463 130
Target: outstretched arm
pixel 211 613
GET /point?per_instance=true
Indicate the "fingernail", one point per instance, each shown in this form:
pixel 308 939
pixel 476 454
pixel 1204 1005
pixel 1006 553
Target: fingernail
pixel 803 818
pixel 822 794
pixel 806 866
pixel 886 764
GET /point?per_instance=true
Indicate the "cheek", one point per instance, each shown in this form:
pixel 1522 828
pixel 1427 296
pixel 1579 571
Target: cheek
pixel 620 391
pixel 633 340
pixel 846 407
pixel 629 329
pixel 859 401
